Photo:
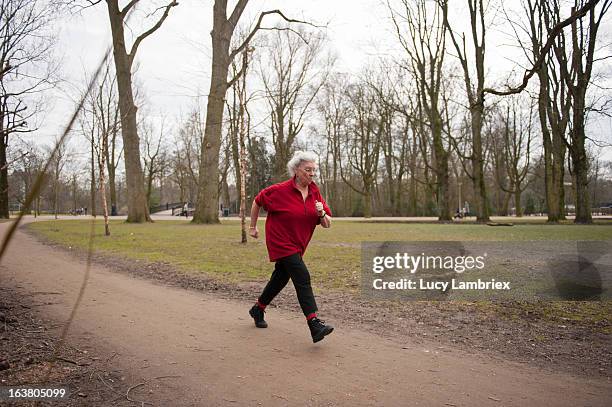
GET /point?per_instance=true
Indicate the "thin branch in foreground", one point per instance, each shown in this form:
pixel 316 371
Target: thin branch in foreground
pixel 36 190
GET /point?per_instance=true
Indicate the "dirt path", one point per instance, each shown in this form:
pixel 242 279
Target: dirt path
pixel 222 359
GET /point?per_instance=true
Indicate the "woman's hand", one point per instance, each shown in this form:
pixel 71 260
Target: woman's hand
pixel 319 208
pixel 253 232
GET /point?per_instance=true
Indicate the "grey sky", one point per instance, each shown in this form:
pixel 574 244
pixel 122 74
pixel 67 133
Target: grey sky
pixel 175 61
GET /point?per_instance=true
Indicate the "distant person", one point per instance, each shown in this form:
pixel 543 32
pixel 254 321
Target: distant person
pixel 295 207
pixel 186 210
pixel 85 211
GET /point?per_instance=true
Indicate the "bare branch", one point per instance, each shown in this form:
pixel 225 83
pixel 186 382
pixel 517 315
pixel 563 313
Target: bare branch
pixel 150 31
pixel 258 26
pixel 238 9
pixel 556 30
pixel 239 73
pixel 127 8
pixel 80 7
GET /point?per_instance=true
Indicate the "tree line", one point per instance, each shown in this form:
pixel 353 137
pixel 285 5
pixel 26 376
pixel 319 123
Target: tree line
pixel 418 133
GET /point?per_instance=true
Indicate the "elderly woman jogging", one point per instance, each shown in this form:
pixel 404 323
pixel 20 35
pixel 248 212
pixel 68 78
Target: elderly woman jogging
pixel 295 207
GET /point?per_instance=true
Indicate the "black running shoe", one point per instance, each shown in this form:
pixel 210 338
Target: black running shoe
pixel 318 329
pixel 258 315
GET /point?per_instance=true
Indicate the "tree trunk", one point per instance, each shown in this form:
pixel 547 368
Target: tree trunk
pixel 581 168
pixel 236 154
pixel 55 197
pixel 480 191
pixel 93 179
pixel 113 191
pixel 504 211
pixel 517 202
pixel 554 159
pixel 413 199
pixel 367 201
pixel 110 165
pixel 442 175
pixel 398 199
pixel 558 174
pixel 4 200
pixel 243 163
pixel 74 194
pixel 150 175
pixel 103 194
pixel 138 211
pixel 207 208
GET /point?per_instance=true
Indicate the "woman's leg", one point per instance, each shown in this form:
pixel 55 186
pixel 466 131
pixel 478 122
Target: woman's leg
pixel 296 269
pixel 278 281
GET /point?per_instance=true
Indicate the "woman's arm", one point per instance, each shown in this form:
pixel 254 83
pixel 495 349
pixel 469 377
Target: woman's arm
pixel 254 215
pixel 326 221
pixel 323 216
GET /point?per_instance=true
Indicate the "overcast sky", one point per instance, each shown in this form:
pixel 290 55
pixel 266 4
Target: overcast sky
pixel 174 62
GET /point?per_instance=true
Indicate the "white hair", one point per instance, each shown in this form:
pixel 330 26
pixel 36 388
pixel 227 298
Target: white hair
pixel 298 158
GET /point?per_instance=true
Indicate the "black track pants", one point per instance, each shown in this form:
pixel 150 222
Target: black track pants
pixel 291 267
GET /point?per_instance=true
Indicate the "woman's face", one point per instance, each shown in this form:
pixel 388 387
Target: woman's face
pixel 306 172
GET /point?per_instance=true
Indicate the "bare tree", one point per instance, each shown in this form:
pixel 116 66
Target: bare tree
pixel 96 129
pixel 405 149
pixel 107 108
pixel 26 70
pixel 28 164
pixel 474 86
pixel 234 107
pixel 494 134
pixel 517 133
pixel 291 81
pixel 102 178
pixel 99 140
pixel 153 154
pixel 185 159
pixel 179 174
pixel 244 126
pixel 576 68
pixel 222 56
pixel 394 132
pixel 93 190
pixel 238 132
pixel 58 161
pixel 334 106
pixel 138 210
pixel 362 144
pixel 422 33
pixel 554 100
pixel 564 65
pixel 100 121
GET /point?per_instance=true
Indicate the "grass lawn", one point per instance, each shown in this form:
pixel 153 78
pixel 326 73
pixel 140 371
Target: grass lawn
pixel 333 255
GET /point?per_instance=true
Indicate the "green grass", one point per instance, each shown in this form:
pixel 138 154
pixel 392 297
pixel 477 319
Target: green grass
pixel 333 255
